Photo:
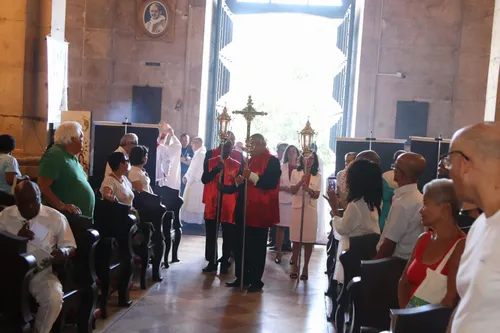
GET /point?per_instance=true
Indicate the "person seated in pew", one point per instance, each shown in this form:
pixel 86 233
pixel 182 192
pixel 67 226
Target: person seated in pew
pixel 361 216
pixel 127 142
pixel 50 237
pixel 9 168
pixel 115 186
pixel 439 213
pixel 137 175
pixel 403 225
pixel 61 178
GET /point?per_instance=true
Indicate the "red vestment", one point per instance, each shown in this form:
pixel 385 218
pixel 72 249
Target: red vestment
pixel 262 205
pixel 210 191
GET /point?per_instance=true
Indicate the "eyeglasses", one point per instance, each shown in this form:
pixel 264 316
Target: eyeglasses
pixel 445 158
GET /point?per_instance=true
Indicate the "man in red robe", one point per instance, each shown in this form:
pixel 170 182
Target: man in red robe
pixel 230 169
pixel 262 212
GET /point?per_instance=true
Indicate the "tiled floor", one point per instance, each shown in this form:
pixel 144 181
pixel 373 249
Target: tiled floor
pixel 189 301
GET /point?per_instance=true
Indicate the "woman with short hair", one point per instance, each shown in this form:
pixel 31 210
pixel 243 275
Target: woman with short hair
pixel 9 168
pixel 137 175
pixel 115 186
pixel 440 214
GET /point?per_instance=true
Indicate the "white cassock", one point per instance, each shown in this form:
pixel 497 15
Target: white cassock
pixel 51 229
pixel 323 214
pixel 193 208
pixel 168 164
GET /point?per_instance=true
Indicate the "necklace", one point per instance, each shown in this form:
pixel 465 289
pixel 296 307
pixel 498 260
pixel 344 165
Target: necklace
pixel 116 177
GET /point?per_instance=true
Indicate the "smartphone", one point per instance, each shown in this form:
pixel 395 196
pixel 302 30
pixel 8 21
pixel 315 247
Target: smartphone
pixel 332 183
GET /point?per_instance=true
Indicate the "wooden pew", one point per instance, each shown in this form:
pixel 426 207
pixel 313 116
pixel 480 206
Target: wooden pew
pixel 78 277
pixel 431 318
pixel 76 274
pixel 360 248
pixel 374 293
pixel 114 252
pixel 15 312
pixel 151 210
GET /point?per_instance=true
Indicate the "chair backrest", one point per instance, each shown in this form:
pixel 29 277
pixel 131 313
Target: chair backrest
pixel 377 292
pixel 110 218
pixel 14 278
pixel 465 221
pixel 431 318
pixel 146 200
pixel 360 248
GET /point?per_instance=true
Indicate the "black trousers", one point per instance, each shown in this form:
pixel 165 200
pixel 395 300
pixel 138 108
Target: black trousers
pixel 172 201
pixel 286 239
pixel 255 254
pixel 228 231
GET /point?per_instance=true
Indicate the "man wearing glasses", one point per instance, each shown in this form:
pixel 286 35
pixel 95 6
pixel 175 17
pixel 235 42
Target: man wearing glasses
pixel 474 165
pixel 403 225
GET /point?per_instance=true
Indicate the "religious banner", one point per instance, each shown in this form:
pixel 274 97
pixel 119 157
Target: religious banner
pixel 84 119
pixel 57 78
pixel 155 20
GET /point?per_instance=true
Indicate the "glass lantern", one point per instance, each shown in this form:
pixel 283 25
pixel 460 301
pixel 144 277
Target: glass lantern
pixel 224 119
pixel 307 138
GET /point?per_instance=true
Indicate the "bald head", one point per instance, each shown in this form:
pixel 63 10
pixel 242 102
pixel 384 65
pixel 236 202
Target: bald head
pixel 369 155
pixel 481 140
pixel 28 199
pixel 410 166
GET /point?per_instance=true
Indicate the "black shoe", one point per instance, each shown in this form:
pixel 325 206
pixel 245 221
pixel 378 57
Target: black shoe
pixel 273 249
pixel 270 244
pixel 164 265
pixel 124 304
pixel 234 284
pixel 291 262
pixel 175 260
pixel 254 289
pixel 210 268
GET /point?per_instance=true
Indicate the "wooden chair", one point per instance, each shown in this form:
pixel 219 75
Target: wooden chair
pixel 78 277
pixel 115 253
pixel 431 318
pixel 153 212
pixel 373 293
pixel 15 312
pixel 360 248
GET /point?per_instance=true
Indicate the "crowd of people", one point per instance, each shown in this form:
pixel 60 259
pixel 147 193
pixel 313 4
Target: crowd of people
pixel 421 228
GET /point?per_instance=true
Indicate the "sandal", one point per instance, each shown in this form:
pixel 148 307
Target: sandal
pixel 294 276
pixel 304 277
pixel 278 258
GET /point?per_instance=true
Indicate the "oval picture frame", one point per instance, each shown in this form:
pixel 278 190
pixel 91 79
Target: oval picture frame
pixel 143 17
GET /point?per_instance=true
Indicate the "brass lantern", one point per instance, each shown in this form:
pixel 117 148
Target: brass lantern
pixel 224 119
pixel 307 138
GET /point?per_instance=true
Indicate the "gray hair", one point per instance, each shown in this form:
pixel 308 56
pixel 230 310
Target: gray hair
pixel 443 191
pixel 66 132
pixel 128 139
pixel 198 139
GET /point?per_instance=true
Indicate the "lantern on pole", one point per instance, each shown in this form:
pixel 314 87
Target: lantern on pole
pixel 307 138
pixel 224 120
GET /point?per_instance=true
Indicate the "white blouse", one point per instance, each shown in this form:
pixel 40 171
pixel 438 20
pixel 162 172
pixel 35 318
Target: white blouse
pixel 121 190
pixel 139 174
pixel 314 184
pixel 285 197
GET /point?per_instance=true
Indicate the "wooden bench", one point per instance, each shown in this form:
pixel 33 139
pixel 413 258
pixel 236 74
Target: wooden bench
pixel 431 318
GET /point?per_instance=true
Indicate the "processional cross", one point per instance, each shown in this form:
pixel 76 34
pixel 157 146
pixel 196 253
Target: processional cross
pixel 249 113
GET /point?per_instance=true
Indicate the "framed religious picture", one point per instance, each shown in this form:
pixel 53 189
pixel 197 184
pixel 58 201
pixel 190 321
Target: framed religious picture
pixel 155 19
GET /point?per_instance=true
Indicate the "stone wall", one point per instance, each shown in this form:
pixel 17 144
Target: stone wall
pixel 106 60
pixel 442 46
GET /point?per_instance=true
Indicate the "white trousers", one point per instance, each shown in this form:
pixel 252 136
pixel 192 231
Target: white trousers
pixel 47 290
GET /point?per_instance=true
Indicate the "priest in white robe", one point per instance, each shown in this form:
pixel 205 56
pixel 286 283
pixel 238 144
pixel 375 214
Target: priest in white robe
pixel 193 208
pixel 168 179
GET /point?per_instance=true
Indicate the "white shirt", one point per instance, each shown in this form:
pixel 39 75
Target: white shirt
pixel 285 197
pixel 168 164
pixel 404 223
pixel 139 174
pixel 389 178
pixel 478 279
pixel 195 171
pixel 59 232
pixel 121 190
pixel 108 168
pixel 358 220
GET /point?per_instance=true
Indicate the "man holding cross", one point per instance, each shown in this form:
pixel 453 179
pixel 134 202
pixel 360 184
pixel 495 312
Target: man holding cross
pixel 262 212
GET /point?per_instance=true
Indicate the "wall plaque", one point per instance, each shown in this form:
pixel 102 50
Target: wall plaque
pixel 155 20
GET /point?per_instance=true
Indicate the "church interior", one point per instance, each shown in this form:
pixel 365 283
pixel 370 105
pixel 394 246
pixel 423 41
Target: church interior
pixel 165 76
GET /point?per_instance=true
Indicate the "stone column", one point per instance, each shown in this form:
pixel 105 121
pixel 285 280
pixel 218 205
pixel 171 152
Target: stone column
pixel 24 24
pixel 492 108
